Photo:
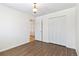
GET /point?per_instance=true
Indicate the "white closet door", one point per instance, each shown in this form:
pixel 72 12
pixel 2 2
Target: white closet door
pixel 57 27
pixel 56 30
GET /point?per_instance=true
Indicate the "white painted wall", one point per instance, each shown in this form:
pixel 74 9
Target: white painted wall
pixel 77 28
pixel 14 28
pixel 70 26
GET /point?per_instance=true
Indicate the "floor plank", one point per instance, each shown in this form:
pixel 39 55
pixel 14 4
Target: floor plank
pixel 38 48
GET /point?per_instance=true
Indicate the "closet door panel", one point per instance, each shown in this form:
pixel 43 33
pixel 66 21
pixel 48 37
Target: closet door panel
pixel 56 30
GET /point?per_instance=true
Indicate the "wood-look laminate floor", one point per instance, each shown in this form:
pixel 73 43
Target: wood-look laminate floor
pixel 39 48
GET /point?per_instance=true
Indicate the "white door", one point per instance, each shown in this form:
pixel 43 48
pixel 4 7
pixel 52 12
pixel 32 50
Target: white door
pixel 56 30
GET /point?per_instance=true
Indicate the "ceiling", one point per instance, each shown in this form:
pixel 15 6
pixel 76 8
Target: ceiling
pixel 43 8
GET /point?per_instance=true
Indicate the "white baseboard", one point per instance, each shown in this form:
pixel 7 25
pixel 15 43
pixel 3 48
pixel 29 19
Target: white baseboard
pixel 77 52
pixel 13 47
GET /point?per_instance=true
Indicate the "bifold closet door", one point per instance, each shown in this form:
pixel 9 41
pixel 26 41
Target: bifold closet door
pixel 56 30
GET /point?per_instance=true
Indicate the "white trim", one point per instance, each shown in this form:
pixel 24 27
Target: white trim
pixel 77 51
pixel 13 47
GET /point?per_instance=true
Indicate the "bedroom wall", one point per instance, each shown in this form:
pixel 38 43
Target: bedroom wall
pixel 14 28
pixel 77 28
